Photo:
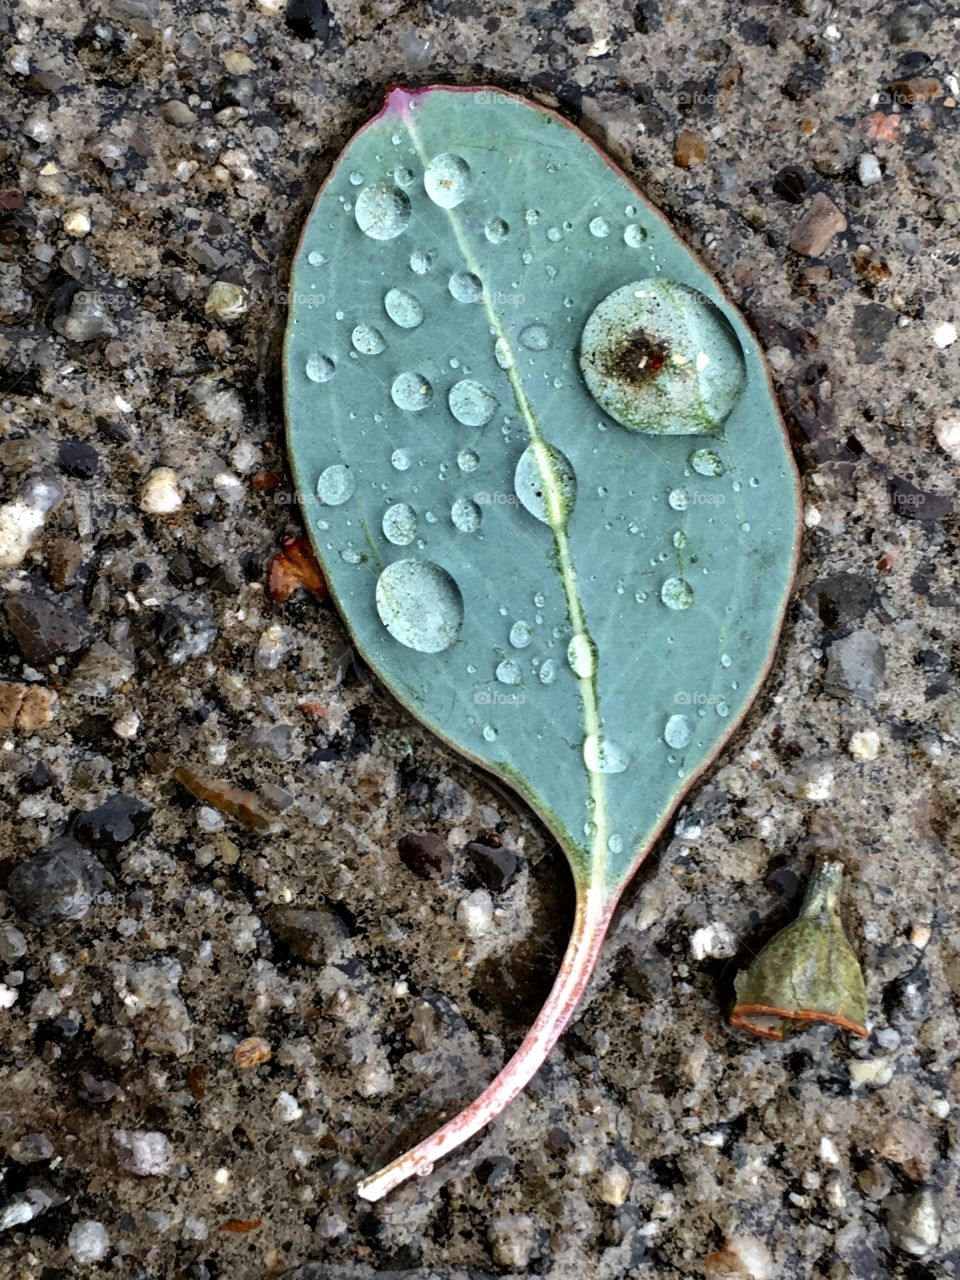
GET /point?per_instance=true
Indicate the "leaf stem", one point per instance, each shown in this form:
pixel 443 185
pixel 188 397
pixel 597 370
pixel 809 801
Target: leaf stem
pixel 594 909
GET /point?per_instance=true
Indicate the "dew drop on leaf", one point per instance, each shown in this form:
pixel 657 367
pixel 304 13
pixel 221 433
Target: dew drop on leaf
pixel 471 404
pixel 677 593
pixel 335 485
pixel 706 463
pixel 677 732
pixel 582 656
pixel 382 211
pixel 489 733
pixel 529 483
pixel 468 460
pixel 496 230
pixel 411 391
pixel 521 633
pixel 320 368
pixel 508 672
pixel 400 459
pixel 316 258
pixel 548 671
pixel 465 286
pixel 535 337
pixel 403 308
pixel 420 605
pixel 599 227
pixel 367 340
pixel 634 236
pixel 400 524
pixel 600 755
pixel 421 261
pixel 466 515
pixel 446 180
pixel 679 499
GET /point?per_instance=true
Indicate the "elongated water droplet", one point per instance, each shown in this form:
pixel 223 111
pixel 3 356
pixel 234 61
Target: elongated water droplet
pixel 320 368
pixel 508 672
pixel 535 337
pixel 316 258
pixel 600 755
pixel 471 404
pixel 677 732
pixel 725 660
pixel 411 391
pixel 367 340
pixel 336 485
pixel 400 524
pixel 382 211
pixel 634 236
pixel 615 843
pixel 706 463
pixel 548 671
pixel 489 733
pixel 503 353
pixel 465 286
pixel 446 180
pixel 466 515
pixel 521 633
pixel 420 605
pixel 582 656
pixel 403 308
pixel 533 488
pixel 677 593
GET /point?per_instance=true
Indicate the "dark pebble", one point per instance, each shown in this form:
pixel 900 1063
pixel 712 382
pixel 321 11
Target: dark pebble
pixel 46 627
pixel 58 883
pixel 78 459
pixel 840 600
pixel 496 868
pixel 426 855
pixel 112 823
pixel 310 20
pixel 312 934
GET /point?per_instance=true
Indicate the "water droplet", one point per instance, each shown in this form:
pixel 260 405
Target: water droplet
pixel 503 353
pixel 677 733
pixel 679 499
pixel 535 337
pixel 532 217
pixel 554 234
pixel 489 733
pixel 521 633
pixel 530 483
pixel 526 257
pixel 634 236
pixel 582 656
pixel 356 178
pixel 465 286
pixel 467 460
pixel 745 527
pixel 421 261
pixel 446 180
pixel 411 391
pixel 754 482
pixel 335 485
pixel 400 524
pixel 471 404
pixel 496 231
pixel 508 672
pixel 600 755
pixel 548 671
pixel 615 844
pixel 403 308
pixel 539 599
pixel 382 211
pixel 722 709
pixel 706 463
pixel 679 539
pixel 466 515
pixel 400 459
pixel 316 258
pixel 599 227
pixel 420 605
pixel 320 368
pixel 726 660
pixel 403 176
pixel 350 555
pixel 677 593
pixel 641 597
pixel 367 340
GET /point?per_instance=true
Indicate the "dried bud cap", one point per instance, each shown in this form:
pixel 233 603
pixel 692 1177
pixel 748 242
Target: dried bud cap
pixel 807 973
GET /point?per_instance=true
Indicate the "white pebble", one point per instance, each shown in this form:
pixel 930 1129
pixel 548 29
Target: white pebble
pixel 8 996
pixel 76 222
pixel 947 429
pixel 872 1071
pixel 945 334
pixel 615 1185
pixel 127 726
pixel 864 745
pixel 475 913
pixel 22 519
pixel 868 169
pixel 828 1151
pixel 88 1241
pixel 229 487
pixel 287 1108
pixel 144 1153
pixel 713 939
pixel 161 495
pixel 812 517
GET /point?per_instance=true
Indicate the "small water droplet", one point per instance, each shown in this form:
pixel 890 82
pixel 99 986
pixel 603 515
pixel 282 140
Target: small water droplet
pixel 320 368
pixel 316 258
pixel 532 217
pixel 400 459
pixel 468 460
pixel 679 539
pixel 677 593
pixel 403 176
pixel 411 391
pixel 634 236
pixel 726 660
pixel 466 515
pixel 582 656
pixel 641 597
pixel 722 709
pixel 356 178
pixel 615 843
pixel 382 211
pixel 403 308
pixel 539 599
pixel 350 555
pixel 600 755
pixel 599 227
pixel 745 527
pixel 446 180
pixel 421 261
pixel 400 524
pixel 548 671
pixel 420 605
pixel 465 286
pixel 496 231
pixel 526 257
pixel 335 485
pixel 677 733
pixel 535 337
pixel 521 633
pixel 489 733
pixel 706 463
pixel 679 499
pixel 503 353
pixel 531 486
pixel 367 340
pixel 508 672
pixel 471 404
pixel 554 234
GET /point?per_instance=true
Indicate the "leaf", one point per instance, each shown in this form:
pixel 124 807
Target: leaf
pixel 546 480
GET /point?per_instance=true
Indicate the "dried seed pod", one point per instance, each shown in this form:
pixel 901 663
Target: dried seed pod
pixel 808 972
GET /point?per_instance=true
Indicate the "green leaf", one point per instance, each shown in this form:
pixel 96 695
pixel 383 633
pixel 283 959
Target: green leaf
pixel 544 473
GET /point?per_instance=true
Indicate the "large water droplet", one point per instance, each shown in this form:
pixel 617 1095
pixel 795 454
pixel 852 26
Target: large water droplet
pixel 508 672
pixel 468 460
pixel 600 755
pixel 411 391
pixel 706 463
pixel 599 227
pixel 320 368
pixel 521 633
pixel 403 308
pixel 466 515
pixel 677 593
pixel 661 358
pixel 420 605
pixel 677 733
pixel 535 337
pixel 634 236
pixel 496 231
pixel 465 286
pixel 400 459
pixel 548 671
pixel 446 180
pixel 679 499
pixel 532 487
pixel 400 524
pixel 367 340
pixel 335 485
pixel 382 211
pixel 471 403
pixel 582 656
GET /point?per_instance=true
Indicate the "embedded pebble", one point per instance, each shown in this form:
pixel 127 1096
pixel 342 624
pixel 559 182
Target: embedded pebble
pixel 22 520
pixel 161 494
pixel 864 745
pixel 144 1153
pixel 475 913
pixel 88 1241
